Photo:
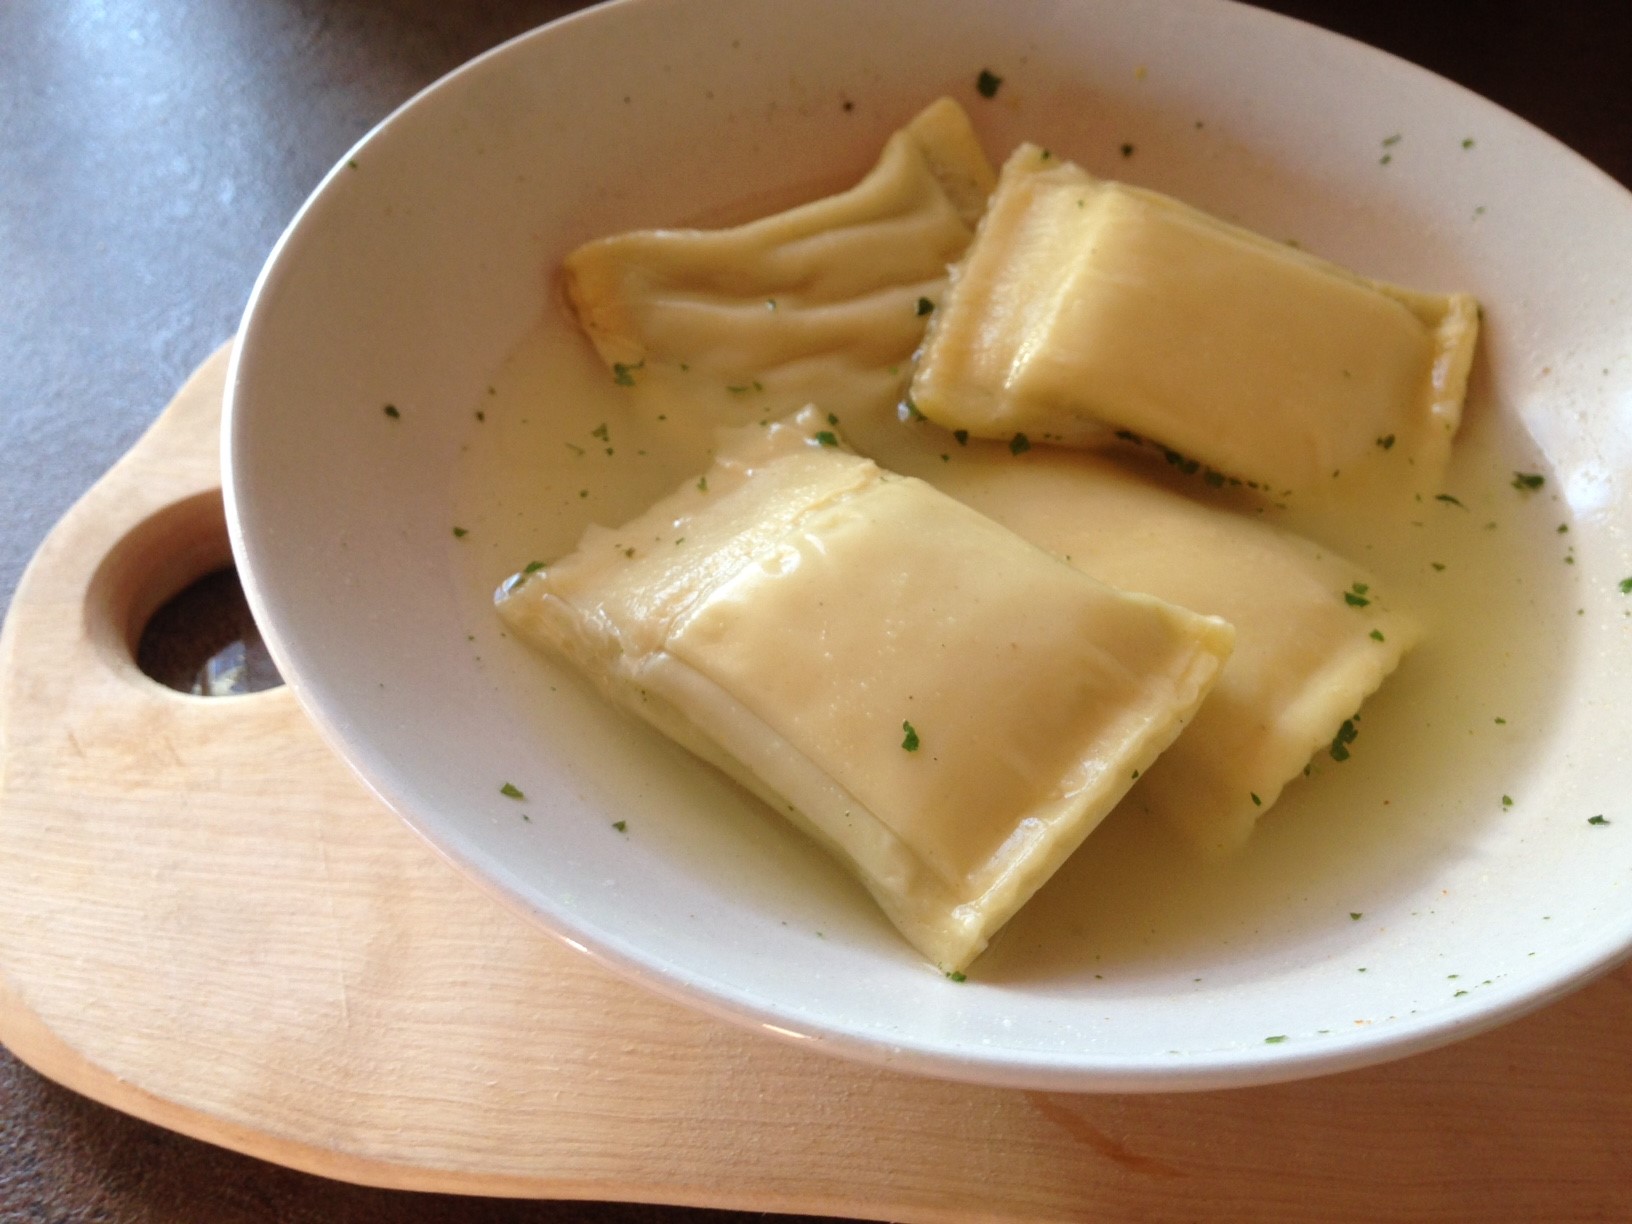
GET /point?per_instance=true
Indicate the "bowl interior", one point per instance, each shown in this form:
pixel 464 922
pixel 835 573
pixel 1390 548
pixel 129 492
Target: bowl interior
pixel 1404 904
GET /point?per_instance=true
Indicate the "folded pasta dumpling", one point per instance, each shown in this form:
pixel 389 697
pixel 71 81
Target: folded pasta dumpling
pixel 842 275
pixel 947 708
pixel 1086 307
pixel 1315 633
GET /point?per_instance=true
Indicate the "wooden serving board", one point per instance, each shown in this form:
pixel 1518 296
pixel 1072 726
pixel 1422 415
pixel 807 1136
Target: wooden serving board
pixel 207 921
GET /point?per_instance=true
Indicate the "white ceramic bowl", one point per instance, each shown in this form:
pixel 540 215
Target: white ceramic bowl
pixel 423 260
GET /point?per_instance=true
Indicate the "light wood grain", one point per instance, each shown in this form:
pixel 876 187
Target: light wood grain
pixel 207 921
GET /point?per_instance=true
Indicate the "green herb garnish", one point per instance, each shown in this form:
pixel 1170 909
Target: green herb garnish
pixel 1256 802
pixel 460 533
pixel 624 375
pixel 1276 1040
pixel 622 826
pixel 533 567
pixel 1355 596
pixel 510 791
pixel 1019 444
pixel 1377 635
pixel 1446 497
pixel 910 741
pixel 962 435
pixel 1387 440
pixel 1626 586
pixel 1596 820
pixel 955 976
pixel 827 437
pixel 1355 916
pixel 987 83
pixel 1527 482
pixel 1346 735
pixel 925 306
pixel 391 411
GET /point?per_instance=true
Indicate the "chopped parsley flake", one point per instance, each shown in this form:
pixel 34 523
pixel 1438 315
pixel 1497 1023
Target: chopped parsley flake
pixel 910 741
pixel 1127 150
pixel 622 826
pixel 601 432
pixel 510 791
pixel 1386 441
pixel 533 567
pixel 1600 820
pixel 391 411
pixel 1355 915
pixel 1346 735
pixel 1355 596
pixel 955 976
pixel 1626 586
pixel 702 484
pixel 1507 801
pixel 1528 482
pixel 832 418
pixel 460 533
pixel 1019 444
pixel 1447 498
pixel 1377 635
pixel 1467 142
pixel 827 437
pixel 925 306
pixel 1256 802
pixel 624 375
pixel 1390 141
pixel 988 83
pixel 1275 1040
pixel 962 436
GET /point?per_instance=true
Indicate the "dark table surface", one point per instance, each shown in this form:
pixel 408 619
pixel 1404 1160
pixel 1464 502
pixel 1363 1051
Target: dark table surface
pixel 150 153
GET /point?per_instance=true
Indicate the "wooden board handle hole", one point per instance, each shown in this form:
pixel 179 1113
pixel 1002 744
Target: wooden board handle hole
pixel 166 604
